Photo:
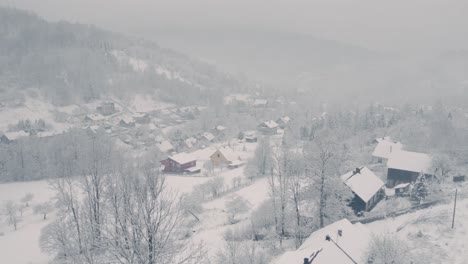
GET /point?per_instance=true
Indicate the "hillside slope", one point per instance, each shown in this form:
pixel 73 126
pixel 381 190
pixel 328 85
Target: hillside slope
pixel 74 62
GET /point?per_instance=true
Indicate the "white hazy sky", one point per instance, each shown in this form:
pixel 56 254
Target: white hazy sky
pixel 377 24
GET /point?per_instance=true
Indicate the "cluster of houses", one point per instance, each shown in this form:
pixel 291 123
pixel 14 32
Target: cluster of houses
pixel 271 127
pixel 344 242
pixel 403 168
pixel 186 163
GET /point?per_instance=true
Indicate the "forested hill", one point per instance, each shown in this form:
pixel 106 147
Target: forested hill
pixel 72 63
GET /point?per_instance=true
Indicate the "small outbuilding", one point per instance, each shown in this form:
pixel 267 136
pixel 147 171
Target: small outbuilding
pixel 224 156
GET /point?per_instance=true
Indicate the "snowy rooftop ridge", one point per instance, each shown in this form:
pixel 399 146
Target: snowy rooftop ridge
pixel 386 147
pixel 410 161
pixel 182 158
pixel 354 240
pixel 270 124
pixel 363 182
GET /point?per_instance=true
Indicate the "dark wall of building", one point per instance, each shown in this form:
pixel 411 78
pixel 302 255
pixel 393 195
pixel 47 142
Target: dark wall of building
pixel 395 177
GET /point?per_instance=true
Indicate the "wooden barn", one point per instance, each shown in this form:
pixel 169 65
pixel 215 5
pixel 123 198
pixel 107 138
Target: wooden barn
pixel 366 186
pixel 406 166
pixel 180 163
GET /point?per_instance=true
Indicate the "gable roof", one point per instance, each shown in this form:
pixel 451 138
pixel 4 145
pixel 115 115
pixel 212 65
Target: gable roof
pixel 284 119
pixel 385 147
pixel 364 183
pixel 259 102
pixel 208 136
pixel 190 142
pixel 269 124
pixel 354 240
pixel 409 161
pixel 182 158
pixel 228 153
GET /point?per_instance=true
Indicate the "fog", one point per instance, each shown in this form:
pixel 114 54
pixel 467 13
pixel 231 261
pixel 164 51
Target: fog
pixel 418 25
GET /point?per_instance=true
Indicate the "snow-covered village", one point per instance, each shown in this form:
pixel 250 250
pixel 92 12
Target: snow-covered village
pixel 154 132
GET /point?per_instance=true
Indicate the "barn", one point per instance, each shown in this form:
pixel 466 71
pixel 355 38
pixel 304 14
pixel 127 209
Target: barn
pixel 180 163
pixel 406 166
pixel 366 186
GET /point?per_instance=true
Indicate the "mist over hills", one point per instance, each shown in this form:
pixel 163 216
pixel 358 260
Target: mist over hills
pixel 74 62
pixel 327 70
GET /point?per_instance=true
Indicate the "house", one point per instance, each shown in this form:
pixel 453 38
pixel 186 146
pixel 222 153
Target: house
pixel 329 244
pixel 385 147
pixel 224 156
pixel 406 166
pixel 219 130
pixel 107 108
pixel 4 139
pixel 93 118
pixel 142 118
pixel 127 121
pixel 180 163
pixel 190 142
pixel 208 136
pixel 165 146
pixel 366 186
pixel 9 137
pixel 250 136
pixel 283 121
pixel 269 127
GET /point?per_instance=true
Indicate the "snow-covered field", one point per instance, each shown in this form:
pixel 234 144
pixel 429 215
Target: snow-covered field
pixel 22 246
pixel 429 234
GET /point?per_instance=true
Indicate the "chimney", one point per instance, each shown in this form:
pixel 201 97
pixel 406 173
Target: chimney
pixel 358 170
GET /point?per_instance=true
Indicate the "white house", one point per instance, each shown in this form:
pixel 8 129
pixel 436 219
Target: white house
pixel 406 166
pixel 385 147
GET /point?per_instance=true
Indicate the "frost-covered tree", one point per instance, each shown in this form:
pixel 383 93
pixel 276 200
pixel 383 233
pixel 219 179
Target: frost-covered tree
pixel 236 205
pixel 12 213
pixel 43 209
pixel 27 198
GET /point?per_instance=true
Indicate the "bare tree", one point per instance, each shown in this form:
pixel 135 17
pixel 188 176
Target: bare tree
pixel 11 210
pixel 43 209
pixel 27 198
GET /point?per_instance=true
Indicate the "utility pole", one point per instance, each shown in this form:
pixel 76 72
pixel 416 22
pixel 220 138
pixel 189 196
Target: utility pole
pixel 454 208
pixel 328 238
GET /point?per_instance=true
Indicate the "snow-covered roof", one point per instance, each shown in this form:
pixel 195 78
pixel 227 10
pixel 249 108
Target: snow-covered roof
pixel 208 136
pixel 363 182
pixel 284 119
pixel 258 102
pixel 95 117
pixel 409 161
pixel 387 138
pixel 354 241
pixel 228 153
pixel 270 124
pixel 190 142
pixel 385 147
pixel 250 133
pixel 16 135
pixel 220 128
pixel 165 146
pixel 182 158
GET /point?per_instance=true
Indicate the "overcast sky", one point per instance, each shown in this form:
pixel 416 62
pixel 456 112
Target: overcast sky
pixel 377 24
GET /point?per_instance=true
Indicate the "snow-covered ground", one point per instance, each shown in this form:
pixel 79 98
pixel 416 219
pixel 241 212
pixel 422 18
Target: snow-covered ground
pixel 429 234
pixel 22 246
